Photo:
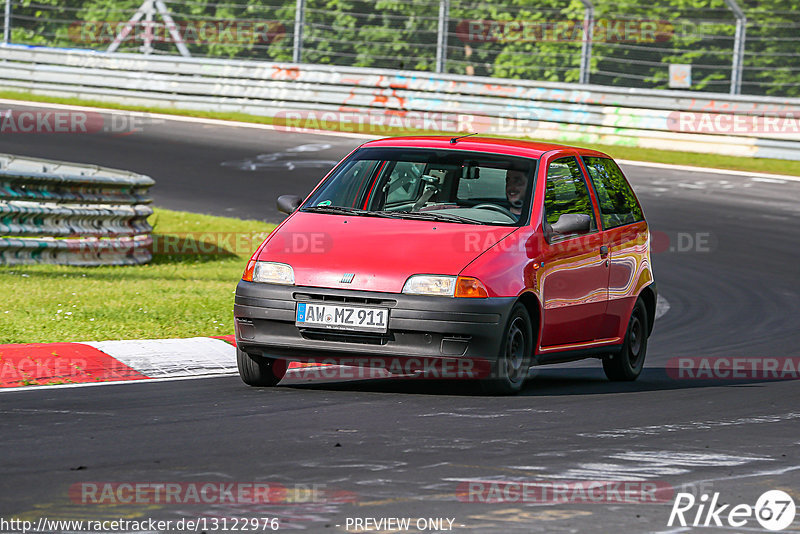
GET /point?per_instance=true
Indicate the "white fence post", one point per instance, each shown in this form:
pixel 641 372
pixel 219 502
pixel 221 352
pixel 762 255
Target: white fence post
pixel 441 35
pixel 586 46
pixel 738 46
pixel 299 21
pixel 7 23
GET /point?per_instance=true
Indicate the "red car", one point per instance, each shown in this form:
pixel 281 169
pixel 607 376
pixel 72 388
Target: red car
pixel 487 255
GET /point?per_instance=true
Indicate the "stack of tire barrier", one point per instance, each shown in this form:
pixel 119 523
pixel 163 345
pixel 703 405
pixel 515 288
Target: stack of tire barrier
pixel 70 214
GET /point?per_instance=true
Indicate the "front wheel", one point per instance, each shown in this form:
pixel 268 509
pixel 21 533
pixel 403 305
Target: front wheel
pixel 514 360
pixel 259 371
pixel 628 363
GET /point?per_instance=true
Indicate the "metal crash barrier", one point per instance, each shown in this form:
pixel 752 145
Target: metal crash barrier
pixel 365 100
pixel 70 214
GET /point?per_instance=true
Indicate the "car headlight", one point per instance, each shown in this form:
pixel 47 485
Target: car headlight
pixel 426 284
pixel 445 286
pixel 269 272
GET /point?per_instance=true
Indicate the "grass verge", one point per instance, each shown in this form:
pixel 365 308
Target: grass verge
pixel 776 166
pixel 183 294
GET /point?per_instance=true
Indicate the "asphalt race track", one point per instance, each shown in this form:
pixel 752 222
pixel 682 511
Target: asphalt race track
pixel 726 257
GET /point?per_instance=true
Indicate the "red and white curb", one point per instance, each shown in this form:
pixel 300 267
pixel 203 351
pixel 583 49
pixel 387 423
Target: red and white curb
pixel 33 365
pixel 171 358
pixel 38 364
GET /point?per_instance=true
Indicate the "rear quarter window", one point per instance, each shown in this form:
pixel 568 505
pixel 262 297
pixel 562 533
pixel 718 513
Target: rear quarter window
pixel 618 204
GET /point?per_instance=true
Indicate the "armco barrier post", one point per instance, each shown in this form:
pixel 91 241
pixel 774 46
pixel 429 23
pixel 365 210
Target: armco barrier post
pixel 299 21
pixel 441 35
pixel 738 46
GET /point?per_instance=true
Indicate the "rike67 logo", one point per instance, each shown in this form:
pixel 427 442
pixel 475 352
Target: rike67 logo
pixel 774 510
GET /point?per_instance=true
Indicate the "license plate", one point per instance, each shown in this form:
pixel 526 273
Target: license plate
pixel 339 317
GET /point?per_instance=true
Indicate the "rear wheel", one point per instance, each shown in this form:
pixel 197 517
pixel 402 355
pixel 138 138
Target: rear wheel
pixel 628 364
pixel 260 371
pixel 511 368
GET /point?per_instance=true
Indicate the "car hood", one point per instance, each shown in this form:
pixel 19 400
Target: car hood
pixel 381 253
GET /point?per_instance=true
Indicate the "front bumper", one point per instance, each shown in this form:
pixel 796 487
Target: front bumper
pixel 419 326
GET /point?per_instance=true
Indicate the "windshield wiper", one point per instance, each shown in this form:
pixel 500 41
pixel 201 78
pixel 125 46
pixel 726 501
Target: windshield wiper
pixel 337 210
pixel 344 210
pixel 430 216
pixel 426 216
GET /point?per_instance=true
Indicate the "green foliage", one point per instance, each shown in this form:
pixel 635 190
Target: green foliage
pixel 524 39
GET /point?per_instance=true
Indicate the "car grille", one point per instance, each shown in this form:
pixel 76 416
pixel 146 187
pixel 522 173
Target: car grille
pixel 319 297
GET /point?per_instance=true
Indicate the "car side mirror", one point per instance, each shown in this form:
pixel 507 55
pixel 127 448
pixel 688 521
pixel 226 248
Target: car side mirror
pixel 572 223
pixel 289 203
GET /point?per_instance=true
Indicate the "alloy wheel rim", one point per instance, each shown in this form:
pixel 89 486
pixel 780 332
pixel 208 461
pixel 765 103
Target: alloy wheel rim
pixel 635 340
pixel 515 351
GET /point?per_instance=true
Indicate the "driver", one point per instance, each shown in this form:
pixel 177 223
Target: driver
pixel 516 183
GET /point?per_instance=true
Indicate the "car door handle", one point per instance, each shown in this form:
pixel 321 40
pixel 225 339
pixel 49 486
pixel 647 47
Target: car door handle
pixel 604 250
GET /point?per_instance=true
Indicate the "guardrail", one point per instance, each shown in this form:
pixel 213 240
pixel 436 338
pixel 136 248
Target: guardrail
pixel 71 214
pixel 672 120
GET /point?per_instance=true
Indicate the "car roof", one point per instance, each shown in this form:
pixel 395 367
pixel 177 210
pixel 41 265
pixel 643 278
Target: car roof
pixel 495 145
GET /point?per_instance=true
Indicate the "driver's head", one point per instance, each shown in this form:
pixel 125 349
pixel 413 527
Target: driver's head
pixel 516 183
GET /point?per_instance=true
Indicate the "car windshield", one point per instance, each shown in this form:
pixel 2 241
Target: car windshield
pixel 429 184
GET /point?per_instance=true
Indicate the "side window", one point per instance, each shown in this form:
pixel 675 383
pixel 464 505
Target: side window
pixel 566 192
pixel 618 205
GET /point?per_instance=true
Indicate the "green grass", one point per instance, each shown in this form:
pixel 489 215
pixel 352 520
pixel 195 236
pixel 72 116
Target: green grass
pixel 176 295
pixel 776 166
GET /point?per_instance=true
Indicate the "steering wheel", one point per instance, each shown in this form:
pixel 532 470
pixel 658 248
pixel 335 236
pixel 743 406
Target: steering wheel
pixel 497 208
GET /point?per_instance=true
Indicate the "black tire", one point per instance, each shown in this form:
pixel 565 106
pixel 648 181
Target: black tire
pixel 627 365
pixel 514 358
pixel 260 371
